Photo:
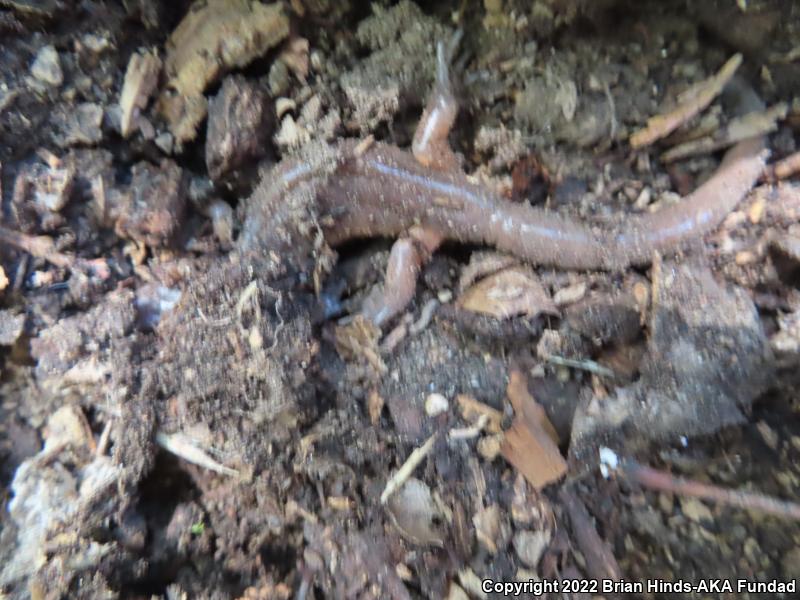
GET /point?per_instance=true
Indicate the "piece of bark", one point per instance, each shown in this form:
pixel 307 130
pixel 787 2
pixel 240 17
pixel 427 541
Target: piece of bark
pixel 141 79
pixel 530 445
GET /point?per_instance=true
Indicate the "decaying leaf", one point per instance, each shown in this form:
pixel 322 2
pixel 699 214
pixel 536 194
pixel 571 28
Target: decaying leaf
pixel 416 514
pixel 214 37
pixel 483 263
pixel 508 293
pixel 531 444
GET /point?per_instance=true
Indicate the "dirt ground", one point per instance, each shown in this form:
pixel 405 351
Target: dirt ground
pixel 192 404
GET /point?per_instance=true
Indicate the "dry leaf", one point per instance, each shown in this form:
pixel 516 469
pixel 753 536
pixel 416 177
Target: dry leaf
pixel 531 444
pixel 511 292
pixel 483 263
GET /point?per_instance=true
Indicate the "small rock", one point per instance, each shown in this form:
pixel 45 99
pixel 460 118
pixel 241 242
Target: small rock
pixel 489 447
pixel 752 551
pixel 81 125
pixel 606 318
pixel 47 67
pixel 164 142
pixel 291 135
pixel 456 593
pixel 530 545
pixel 435 404
pixel 10 327
pixel 278 78
pixel 416 514
pixel 695 510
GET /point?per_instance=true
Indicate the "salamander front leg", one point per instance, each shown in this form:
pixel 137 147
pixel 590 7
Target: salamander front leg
pixel 431 149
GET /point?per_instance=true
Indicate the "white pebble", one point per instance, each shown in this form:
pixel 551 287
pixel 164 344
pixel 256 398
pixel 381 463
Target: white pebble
pixel 435 404
pixel 47 67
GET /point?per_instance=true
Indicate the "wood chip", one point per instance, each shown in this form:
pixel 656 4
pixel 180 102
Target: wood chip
pixel 741 128
pixel 141 79
pixel 531 444
pixel 375 403
pixel 691 102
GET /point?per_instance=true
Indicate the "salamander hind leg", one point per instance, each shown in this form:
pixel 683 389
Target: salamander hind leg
pixel 431 149
pixel 430 146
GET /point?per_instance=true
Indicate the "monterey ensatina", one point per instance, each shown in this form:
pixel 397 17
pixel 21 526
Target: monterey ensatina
pixel 375 189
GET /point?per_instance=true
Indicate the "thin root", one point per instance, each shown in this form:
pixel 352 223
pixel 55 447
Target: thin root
pixel 663 481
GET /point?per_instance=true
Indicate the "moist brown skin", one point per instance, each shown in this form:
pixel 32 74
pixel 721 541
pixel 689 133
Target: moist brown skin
pixel 379 190
pixel 385 191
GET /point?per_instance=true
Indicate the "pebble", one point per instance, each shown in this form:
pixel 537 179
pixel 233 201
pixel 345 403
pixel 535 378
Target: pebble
pixel 47 67
pixel 530 545
pixel 695 510
pixel 435 404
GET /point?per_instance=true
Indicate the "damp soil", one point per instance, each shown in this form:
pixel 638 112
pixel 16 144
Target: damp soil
pixel 186 416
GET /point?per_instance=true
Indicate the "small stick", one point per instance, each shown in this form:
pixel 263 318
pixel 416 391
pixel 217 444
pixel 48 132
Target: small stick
pixel 468 433
pixel 181 445
pixel 39 246
pixel 664 481
pixel 405 471
pixel 600 561
pixel 585 365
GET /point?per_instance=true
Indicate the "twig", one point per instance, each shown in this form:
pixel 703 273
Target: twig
pixel 585 365
pixel 666 482
pixel 741 128
pixel 693 101
pixel 468 433
pixel 405 471
pixel 182 446
pixel 39 246
pixel 600 561
pixel 425 317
